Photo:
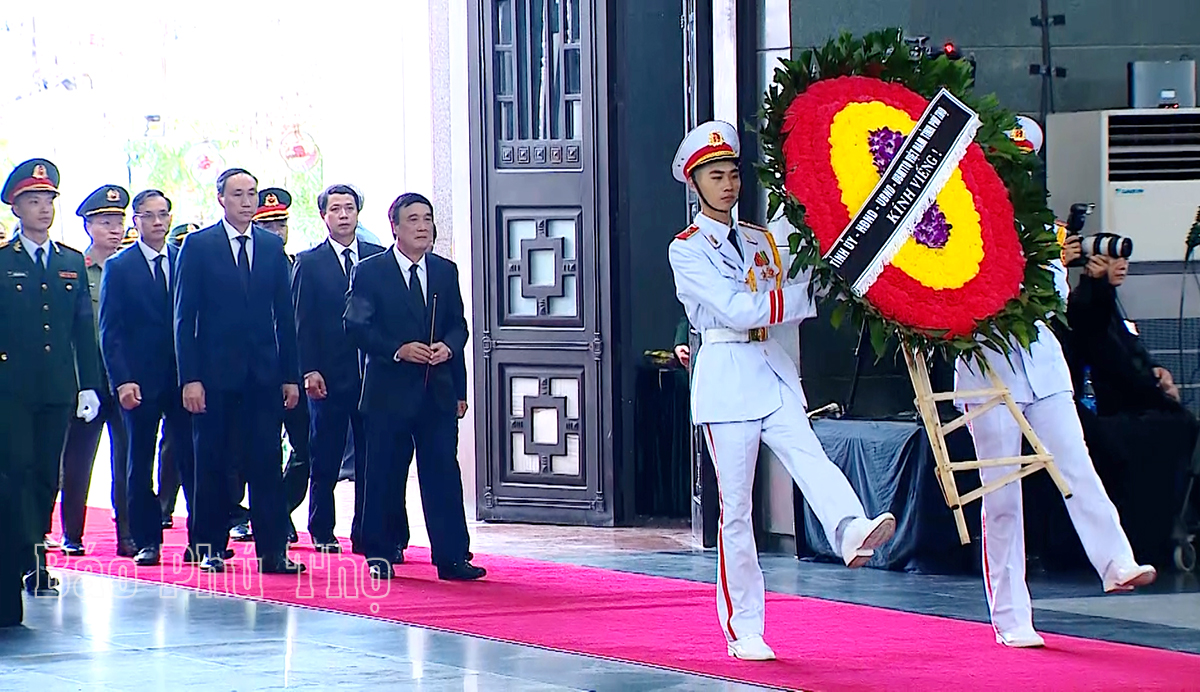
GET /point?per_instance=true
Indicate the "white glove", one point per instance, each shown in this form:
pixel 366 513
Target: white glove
pixel 89 406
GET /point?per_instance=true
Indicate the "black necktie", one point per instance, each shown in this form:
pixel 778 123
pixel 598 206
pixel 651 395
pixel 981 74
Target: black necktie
pixel 160 276
pixel 733 240
pixel 244 261
pixel 39 256
pixel 414 285
pixel 349 261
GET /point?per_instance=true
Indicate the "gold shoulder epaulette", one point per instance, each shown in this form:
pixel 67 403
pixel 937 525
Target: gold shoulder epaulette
pixel 687 233
pixel 752 226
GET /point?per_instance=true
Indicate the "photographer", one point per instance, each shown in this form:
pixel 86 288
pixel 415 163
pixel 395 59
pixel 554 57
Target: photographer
pixel 1142 436
pixel 1125 377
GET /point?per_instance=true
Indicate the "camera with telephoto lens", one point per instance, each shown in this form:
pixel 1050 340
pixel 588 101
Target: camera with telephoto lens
pixel 1104 244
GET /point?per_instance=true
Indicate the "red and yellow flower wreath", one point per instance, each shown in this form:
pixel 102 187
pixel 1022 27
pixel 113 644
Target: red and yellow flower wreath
pixel 971 270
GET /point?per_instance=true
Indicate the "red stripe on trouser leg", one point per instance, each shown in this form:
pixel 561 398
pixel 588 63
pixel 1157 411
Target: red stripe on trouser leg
pixel 724 583
pixel 987 566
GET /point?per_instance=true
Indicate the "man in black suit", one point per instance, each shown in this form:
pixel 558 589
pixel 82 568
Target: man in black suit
pixel 137 340
pixel 330 360
pixel 169 481
pixel 235 342
pixel 405 312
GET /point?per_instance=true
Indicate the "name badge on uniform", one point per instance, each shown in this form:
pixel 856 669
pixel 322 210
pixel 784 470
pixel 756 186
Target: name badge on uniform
pixel 68 275
pixel 18 275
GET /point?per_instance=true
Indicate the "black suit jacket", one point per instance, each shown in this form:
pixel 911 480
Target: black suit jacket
pixel 227 334
pixel 137 323
pixel 319 286
pixel 381 316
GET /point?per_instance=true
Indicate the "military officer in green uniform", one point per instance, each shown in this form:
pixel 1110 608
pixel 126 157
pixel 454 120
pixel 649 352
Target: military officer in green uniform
pixel 103 214
pixel 49 372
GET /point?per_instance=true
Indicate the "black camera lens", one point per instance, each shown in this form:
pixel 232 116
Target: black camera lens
pixel 1109 245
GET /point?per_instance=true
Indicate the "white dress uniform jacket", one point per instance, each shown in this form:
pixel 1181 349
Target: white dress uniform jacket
pixel 737 380
pixel 1031 375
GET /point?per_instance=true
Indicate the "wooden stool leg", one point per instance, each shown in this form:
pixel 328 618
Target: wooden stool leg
pixel 919 374
pixel 1034 441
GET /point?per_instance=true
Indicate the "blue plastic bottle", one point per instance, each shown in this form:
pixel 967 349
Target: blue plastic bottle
pixel 1088 398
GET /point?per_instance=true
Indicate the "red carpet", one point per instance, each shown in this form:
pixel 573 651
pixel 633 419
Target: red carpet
pixel 671 623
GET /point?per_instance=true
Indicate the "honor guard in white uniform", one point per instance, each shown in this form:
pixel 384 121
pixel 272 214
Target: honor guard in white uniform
pixel 745 387
pixel 1040 382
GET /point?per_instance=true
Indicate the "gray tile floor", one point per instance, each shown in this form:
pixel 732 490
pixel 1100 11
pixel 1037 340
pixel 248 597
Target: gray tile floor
pixel 102 635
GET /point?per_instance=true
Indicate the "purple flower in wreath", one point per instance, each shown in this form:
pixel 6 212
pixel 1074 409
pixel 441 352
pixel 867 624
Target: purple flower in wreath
pixel 932 231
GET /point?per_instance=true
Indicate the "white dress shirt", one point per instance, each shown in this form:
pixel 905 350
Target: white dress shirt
pixel 151 255
pixel 406 267
pixel 236 245
pixel 339 250
pixel 31 248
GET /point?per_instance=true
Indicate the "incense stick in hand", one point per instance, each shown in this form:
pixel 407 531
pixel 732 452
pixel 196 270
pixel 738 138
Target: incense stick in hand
pixel 432 320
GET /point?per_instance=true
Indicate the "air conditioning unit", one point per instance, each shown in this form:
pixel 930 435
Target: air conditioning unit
pixel 1141 168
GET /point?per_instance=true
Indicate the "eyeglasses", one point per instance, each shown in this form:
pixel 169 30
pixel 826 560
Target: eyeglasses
pixel 148 216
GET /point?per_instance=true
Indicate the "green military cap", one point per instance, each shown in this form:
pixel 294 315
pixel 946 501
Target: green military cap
pixel 131 236
pixel 34 174
pixel 107 199
pixel 273 204
pixel 175 237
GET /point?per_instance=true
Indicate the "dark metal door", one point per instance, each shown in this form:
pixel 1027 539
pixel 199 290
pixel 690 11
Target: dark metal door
pixel 538 156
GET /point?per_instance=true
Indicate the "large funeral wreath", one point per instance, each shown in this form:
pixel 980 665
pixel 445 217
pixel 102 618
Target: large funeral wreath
pixel 974 270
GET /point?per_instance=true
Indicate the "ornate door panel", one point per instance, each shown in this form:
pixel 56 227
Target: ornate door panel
pixel 539 247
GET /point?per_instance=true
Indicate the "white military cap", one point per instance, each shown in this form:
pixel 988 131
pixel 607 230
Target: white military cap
pixel 1027 135
pixel 713 141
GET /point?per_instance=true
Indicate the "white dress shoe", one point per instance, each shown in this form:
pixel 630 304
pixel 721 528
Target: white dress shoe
pixel 862 536
pixel 1020 639
pixel 751 649
pixel 1128 577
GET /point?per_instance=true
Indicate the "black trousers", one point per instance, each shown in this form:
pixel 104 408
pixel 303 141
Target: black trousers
pixel 239 426
pixel 169 481
pixel 391 441
pixel 142 423
pixel 299 463
pixel 331 419
pixel 31 445
pixel 78 460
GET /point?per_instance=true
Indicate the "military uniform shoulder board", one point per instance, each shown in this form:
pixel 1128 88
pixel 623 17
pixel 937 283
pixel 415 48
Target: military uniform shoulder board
pixel 751 226
pixel 687 233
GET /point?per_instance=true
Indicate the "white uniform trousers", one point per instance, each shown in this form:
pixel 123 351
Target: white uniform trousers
pixel 997 435
pixel 734 449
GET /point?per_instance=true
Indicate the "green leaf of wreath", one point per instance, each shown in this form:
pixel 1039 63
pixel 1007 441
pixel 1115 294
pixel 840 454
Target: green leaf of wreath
pixel 884 55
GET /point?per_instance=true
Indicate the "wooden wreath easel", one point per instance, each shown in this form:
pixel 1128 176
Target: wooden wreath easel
pixel 927 400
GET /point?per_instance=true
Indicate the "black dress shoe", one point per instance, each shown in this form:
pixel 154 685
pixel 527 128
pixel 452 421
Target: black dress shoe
pixel 41 583
pixel 191 557
pixel 398 558
pixel 148 557
pixel 126 548
pixel 241 532
pixel 329 546
pixel 281 565
pixel 293 538
pixel 213 565
pixel 72 548
pixel 168 523
pixel 461 571
pixel 378 568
